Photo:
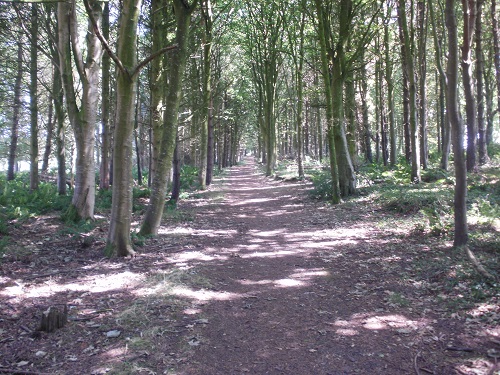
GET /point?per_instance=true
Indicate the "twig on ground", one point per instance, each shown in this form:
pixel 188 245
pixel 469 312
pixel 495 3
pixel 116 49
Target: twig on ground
pixel 415 364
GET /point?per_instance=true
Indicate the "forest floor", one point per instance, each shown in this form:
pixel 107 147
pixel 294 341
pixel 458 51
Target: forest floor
pixel 252 276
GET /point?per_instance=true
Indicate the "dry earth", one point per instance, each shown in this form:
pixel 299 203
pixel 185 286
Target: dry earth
pixel 252 277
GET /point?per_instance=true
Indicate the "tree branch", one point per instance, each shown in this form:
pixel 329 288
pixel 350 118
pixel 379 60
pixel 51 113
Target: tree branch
pixel 151 57
pixel 103 40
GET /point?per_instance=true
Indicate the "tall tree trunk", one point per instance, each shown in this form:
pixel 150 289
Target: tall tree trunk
pixel 14 133
pixel 390 94
pixel 210 144
pixel 334 170
pixel 422 62
pixel 82 119
pixel 119 242
pixel 176 175
pixel 367 136
pixel 152 218
pixel 409 65
pixel 481 124
pixel 50 131
pixel 460 236
pixel 34 177
pixel 105 104
pixel 444 121
pixel 406 91
pixel 207 92
pixel 469 17
pixel 61 131
pixel 496 47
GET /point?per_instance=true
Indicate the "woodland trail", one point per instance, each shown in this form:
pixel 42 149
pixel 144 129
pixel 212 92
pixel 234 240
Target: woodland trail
pixel 300 287
pixel 252 276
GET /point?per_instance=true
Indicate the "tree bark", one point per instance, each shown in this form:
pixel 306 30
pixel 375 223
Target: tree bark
pixel 461 233
pixel 481 124
pixel 207 92
pixel 83 118
pixel 152 218
pixel 105 104
pixel 496 47
pixel 34 176
pixel 409 67
pixel 422 62
pixel 390 94
pixel 14 133
pixel 119 242
pixel 469 18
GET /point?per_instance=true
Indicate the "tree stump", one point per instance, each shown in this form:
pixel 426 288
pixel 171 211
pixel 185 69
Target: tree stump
pixel 53 319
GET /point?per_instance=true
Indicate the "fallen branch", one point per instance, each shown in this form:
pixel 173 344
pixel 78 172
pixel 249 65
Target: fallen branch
pixel 477 265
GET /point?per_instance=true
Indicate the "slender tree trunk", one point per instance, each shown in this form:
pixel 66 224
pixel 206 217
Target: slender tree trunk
pixel 367 136
pixel 334 170
pixel 34 177
pixel 469 17
pixel 119 242
pixel 210 144
pixel 406 91
pixel 390 95
pixel 82 119
pixel 496 47
pixel 481 124
pixel 408 62
pixel 50 131
pixel 444 121
pixel 207 92
pixel 14 133
pixel 176 175
pixel 105 104
pixel 422 61
pixel 154 212
pixel 61 132
pixel 460 236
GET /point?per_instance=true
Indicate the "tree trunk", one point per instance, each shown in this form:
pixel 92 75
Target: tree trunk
pixel 176 175
pixel 152 218
pixel 409 65
pixel 119 242
pixel 34 177
pixel 334 170
pixel 460 236
pixel 105 104
pixel 367 136
pixel 14 134
pixel 469 17
pixel 61 132
pixel 207 92
pixel 390 95
pixel 444 121
pixel 422 62
pixel 481 124
pixel 496 47
pixel 50 131
pixel 82 119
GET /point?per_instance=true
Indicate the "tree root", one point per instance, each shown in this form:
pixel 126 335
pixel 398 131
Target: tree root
pixel 477 265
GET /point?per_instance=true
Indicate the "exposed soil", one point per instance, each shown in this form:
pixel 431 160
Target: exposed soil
pixel 251 277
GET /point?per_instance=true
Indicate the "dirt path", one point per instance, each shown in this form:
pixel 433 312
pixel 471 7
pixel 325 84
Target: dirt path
pixel 304 288
pixel 253 277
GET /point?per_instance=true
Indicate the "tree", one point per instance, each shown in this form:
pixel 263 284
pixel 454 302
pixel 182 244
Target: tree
pixel 152 218
pixel 469 8
pixel 206 10
pixel 82 113
pixel 34 177
pixel 264 44
pixel 461 232
pixel 408 64
pixel 15 113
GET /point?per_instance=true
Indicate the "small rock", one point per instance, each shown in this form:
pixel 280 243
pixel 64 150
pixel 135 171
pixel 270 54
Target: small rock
pixel 113 334
pixel 40 354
